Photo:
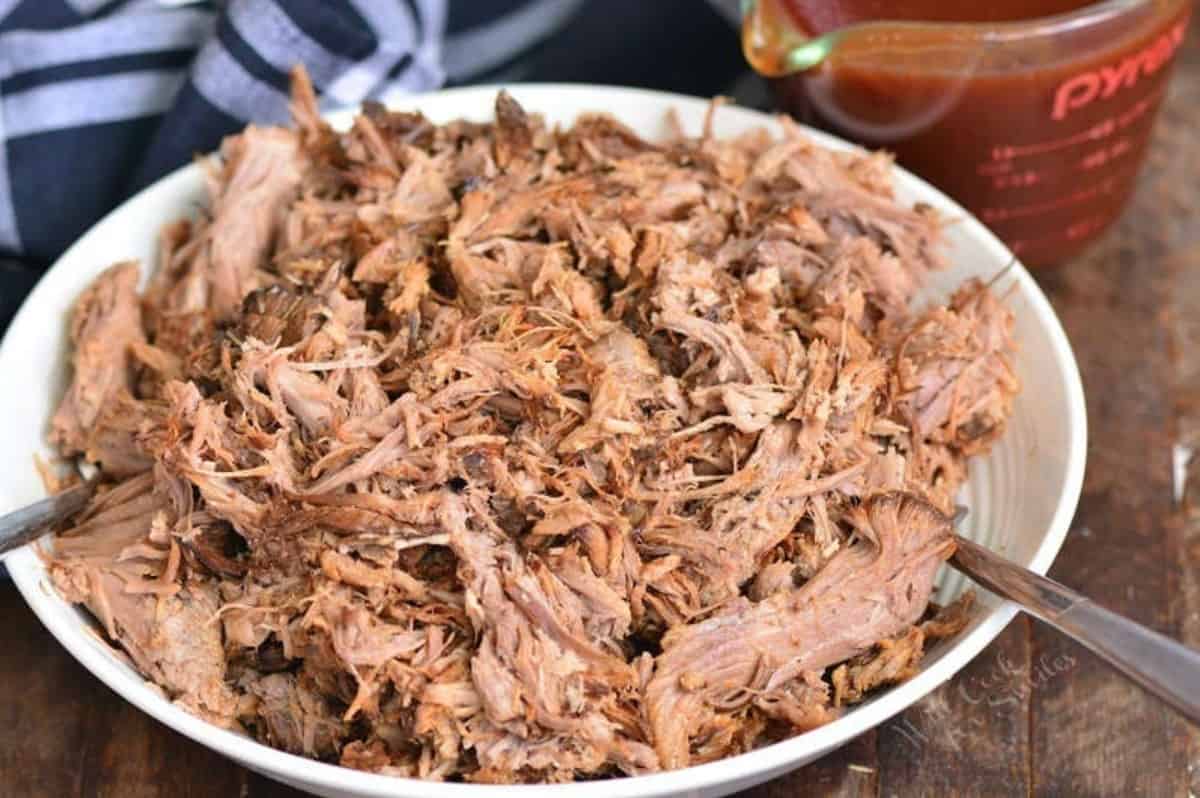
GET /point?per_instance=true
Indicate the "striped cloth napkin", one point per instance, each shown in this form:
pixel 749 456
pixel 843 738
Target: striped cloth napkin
pixel 99 98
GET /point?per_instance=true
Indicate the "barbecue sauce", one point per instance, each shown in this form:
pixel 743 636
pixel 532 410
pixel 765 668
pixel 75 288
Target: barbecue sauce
pixel 1041 140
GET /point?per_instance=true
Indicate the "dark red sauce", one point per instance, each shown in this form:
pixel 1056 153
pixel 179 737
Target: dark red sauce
pixel 1042 139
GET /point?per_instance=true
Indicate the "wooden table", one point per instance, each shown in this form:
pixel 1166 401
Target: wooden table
pixel 1033 714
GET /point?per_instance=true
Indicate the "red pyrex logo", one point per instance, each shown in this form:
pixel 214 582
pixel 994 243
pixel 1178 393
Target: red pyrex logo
pixel 1102 83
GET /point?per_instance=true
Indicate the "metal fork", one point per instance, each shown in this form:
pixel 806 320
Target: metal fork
pixel 31 522
pixel 1159 664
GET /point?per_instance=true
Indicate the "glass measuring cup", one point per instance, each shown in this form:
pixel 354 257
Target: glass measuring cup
pixel 1036 123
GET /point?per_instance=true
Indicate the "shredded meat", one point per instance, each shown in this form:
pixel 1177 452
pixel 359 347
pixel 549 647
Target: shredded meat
pixel 106 323
pixel 492 452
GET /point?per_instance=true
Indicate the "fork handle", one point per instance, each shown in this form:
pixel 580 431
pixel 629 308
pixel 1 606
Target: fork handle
pixel 30 523
pixel 1159 664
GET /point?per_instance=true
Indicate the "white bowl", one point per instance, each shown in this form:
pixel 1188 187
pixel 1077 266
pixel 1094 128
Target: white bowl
pixel 1022 496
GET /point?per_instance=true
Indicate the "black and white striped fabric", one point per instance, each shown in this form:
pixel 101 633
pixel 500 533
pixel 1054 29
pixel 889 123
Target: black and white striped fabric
pixel 99 98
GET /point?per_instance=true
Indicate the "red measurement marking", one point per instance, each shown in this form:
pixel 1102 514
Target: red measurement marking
pixel 992 168
pixel 1141 107
pixel 1076 231
pixel 1085 228
pixel 1105 155
pixel 1017 211
pixel 1093 133
pixel 1018 180
pixel 1002 156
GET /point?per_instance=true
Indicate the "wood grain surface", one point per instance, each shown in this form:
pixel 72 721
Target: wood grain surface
pixel 1033 714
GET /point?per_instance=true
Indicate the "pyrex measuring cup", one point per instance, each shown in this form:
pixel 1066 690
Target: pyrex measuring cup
pixel 1037 124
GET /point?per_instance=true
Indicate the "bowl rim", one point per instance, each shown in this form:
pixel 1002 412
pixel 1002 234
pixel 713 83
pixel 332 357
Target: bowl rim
pixel 742 769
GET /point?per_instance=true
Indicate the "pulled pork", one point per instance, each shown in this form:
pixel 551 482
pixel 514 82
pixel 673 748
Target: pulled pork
pixel 498 453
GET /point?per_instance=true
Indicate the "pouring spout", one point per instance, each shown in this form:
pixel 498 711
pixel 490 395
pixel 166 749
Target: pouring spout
pixel 774 45
pixel 777 43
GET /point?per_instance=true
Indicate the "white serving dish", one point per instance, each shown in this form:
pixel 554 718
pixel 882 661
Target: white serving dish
pixel 1022 496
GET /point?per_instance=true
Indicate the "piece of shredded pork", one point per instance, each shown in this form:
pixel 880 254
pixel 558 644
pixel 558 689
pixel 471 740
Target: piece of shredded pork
pixel 509 454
